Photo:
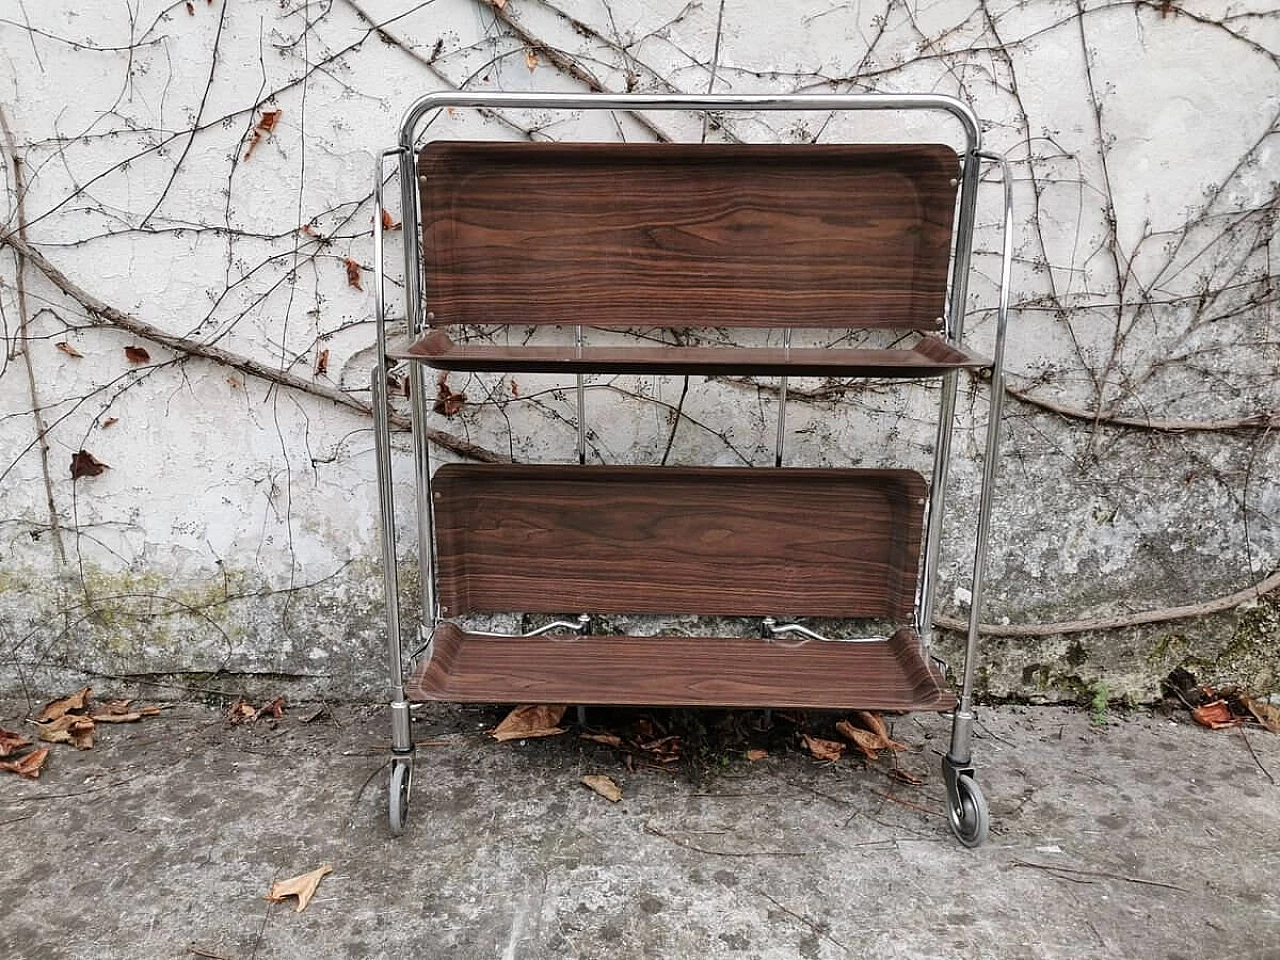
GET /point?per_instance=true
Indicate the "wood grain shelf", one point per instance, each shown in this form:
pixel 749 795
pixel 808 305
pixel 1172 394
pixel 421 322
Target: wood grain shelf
pixel 680 671
pixel 931 356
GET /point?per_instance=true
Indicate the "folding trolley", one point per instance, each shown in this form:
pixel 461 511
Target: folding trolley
pixel 559 246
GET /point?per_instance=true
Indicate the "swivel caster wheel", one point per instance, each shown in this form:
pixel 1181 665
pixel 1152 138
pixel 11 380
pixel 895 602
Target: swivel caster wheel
pixel 401 783
pixel 967 811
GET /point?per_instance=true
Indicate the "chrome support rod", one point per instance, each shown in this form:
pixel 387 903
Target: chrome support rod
pixel 401 735
pixel 692 101
pixel 772 630
pixel 954 328
pixel 413 275
pixel 962 727
pixel 580 626
pixel 582 400
pixel 782 404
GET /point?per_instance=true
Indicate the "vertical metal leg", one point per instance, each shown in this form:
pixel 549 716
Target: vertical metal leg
pixel 937 505
pixel 582 401
pixel 780 443
pixel 425 512
pixel 401 740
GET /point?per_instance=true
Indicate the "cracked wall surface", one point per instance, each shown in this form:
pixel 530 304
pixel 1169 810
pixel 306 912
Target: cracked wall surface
pixel 186 298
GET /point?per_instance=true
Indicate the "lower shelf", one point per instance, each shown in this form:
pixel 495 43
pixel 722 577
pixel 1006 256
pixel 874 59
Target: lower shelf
pixel 680 671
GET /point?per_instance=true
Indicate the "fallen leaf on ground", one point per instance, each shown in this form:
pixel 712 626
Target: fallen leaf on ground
pixel 604 786
pixel 122 711
pixel 242 711
pixel 137 355
pixel 353 274
pixel 873 723
pixel 823 749
pixel 303 887
pixel 69 728
pixel 533 720
pixel 85 464
pixel 663 749
pixel 1216 715
pixel 610 739
pixel 756 754
pixel 868 743
pixel 57 708
pixel 28 766
pixel 1264 713
pixel 68 349
pixel 11 743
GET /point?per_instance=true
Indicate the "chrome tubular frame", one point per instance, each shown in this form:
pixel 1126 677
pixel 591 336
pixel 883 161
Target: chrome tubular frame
pixel 962 728
pixel 401 737
pixel 952 323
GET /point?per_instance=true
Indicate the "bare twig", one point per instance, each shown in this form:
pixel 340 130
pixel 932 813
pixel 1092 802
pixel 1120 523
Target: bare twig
pixel 1249 746
pixel 1162 615
pixel 101 312
pixel 1100 874
pixel 650 828
pixel 24 334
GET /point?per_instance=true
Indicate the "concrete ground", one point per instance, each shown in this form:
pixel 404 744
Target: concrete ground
pixel 1144 838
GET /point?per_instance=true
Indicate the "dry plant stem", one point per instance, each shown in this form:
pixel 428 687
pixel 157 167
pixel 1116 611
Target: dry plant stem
pixel 1258 590
pixel 1258 421
pixel 24 333
pixel 562 63
pixel 105 313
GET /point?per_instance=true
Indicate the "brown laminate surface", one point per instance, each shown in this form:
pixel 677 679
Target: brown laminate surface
pixel 540 538
pixel 930 357
pixel 628 234
pixel 681 671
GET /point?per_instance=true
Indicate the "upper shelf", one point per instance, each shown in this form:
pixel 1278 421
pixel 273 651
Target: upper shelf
pixel 787 236
pixel 931 356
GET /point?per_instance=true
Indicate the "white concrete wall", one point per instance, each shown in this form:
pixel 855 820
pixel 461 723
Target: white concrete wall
pixel 236 527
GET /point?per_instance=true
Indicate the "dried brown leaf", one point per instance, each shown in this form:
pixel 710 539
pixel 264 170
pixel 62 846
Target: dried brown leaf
pixel 322 363
pixel 85 464
pixel 756 753
pixel 28 766
pixel 535 720
pixel 609 739
pixel 823 749
pixel 69 728
pixel 68 349
pixel 867 742
pixel 1215 715
pixel 303 887
pixel 1264 713
pixel 274 709
pixel 353 274
pixel 11 743
pixel 873 723
pixel 136 354
pixel 266 123
pixel 389 222
pixel 604 786
pixel 241 711
pixel 447 402
pixel 531 59
pixel 57 708
pixel 110 422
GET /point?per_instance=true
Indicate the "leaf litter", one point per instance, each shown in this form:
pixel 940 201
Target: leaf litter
pixel 68 720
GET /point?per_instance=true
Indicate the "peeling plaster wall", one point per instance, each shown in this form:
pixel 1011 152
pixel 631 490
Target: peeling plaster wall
pixel 234 532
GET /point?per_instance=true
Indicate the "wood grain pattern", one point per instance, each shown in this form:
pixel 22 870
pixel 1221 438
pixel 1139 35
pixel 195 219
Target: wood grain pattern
pixel 930 357
pixel 681 671
pixel 700 540
pixel 621 234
